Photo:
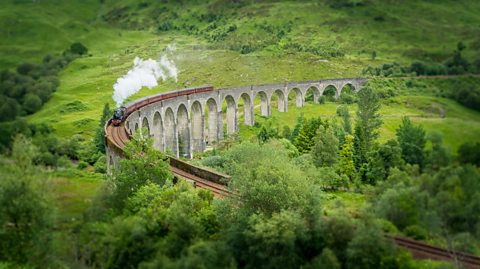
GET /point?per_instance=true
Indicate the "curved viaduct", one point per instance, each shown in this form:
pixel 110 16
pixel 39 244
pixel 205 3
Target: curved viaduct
pixel 188 123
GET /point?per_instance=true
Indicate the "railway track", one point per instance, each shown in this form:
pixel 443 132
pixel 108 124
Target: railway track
pixel 118 136
pixel 422 250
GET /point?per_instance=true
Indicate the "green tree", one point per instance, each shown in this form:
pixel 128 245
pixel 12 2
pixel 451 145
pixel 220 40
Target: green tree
pixel 26 218
pixel 367 123
pixel 438 156
pixel 326 260
pixel 383 159
pixel 412 141
pixel 267 131
pixel 31 103
pixel 305 139
pixel 78 48
pixel 325 150
pixel 100 132
pixel 343 112
pixel 142 165
pixel 469 153
pixel 297 128
pixel 346 164
pixel 370 249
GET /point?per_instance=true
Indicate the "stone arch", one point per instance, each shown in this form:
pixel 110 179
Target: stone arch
pixel 298 96
pixel 280 99
pixel 198 127
pixel 157 132
pixel 248 117
pixel 212 120
pixel 231 115
pixel 329 93
pixel 264 103
pixel 312 95
pixel 170 131
pixel 183 132
pixel 346 93
pixel 146 126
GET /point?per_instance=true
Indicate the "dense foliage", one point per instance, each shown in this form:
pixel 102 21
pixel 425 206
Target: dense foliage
pixel 25 91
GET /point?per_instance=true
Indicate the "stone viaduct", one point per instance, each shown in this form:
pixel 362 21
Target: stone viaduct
pixel 188 123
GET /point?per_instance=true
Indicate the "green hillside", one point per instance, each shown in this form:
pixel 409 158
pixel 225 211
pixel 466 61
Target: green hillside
pixel 289 42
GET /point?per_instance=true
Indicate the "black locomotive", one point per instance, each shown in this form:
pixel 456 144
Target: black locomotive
pixel 119 115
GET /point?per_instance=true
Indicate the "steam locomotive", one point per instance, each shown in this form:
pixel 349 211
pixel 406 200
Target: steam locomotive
pixel 121 113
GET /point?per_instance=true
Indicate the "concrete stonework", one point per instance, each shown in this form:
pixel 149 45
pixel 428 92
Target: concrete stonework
pixel 187 124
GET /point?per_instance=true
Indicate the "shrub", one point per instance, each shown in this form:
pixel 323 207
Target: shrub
pixel 416 232
pixel 82 165
pixel 31 103
pixel 101 164
pixel 78 48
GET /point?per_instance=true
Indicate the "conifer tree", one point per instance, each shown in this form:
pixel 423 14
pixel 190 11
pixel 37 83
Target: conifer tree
pixel 325 151
pixel 347 166
pixel 367 124
pixel 412 141
pixel 305 139
pixel 100 133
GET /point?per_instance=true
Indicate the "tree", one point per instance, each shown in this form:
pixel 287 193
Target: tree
pixel 267 131
pixel 142 165
pixel 370 249
pixel 347 166
pixel 304 141
pixel 25 210
pixel 78 48
pixel 100 133
pixel 9 108
pixel 438 156
pixel 297 127
pixel 412 141
pixel 343 112
pixel 383 159
pixel 325 150
pixel 469 153
pixel 31 103
pixel 367 123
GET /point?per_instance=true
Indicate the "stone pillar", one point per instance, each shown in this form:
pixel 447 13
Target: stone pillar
pixel 299 99
pixel 316 96
pixel 219 125
pixel 232 120
pixel 248 113
pixel 282 103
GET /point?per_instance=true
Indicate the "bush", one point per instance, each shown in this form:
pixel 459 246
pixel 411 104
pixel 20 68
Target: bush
pixel 82 165
pixel 31 103
pixel 101 165
pixel 416 232
pixel 78 48
pixel 469 153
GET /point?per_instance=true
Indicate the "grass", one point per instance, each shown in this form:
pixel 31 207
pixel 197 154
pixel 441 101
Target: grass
pixel 73 192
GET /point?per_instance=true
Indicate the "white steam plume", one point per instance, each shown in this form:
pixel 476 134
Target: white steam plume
pixel 144 73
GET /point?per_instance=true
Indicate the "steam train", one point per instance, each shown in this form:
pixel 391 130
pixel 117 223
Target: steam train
pixel 121 113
